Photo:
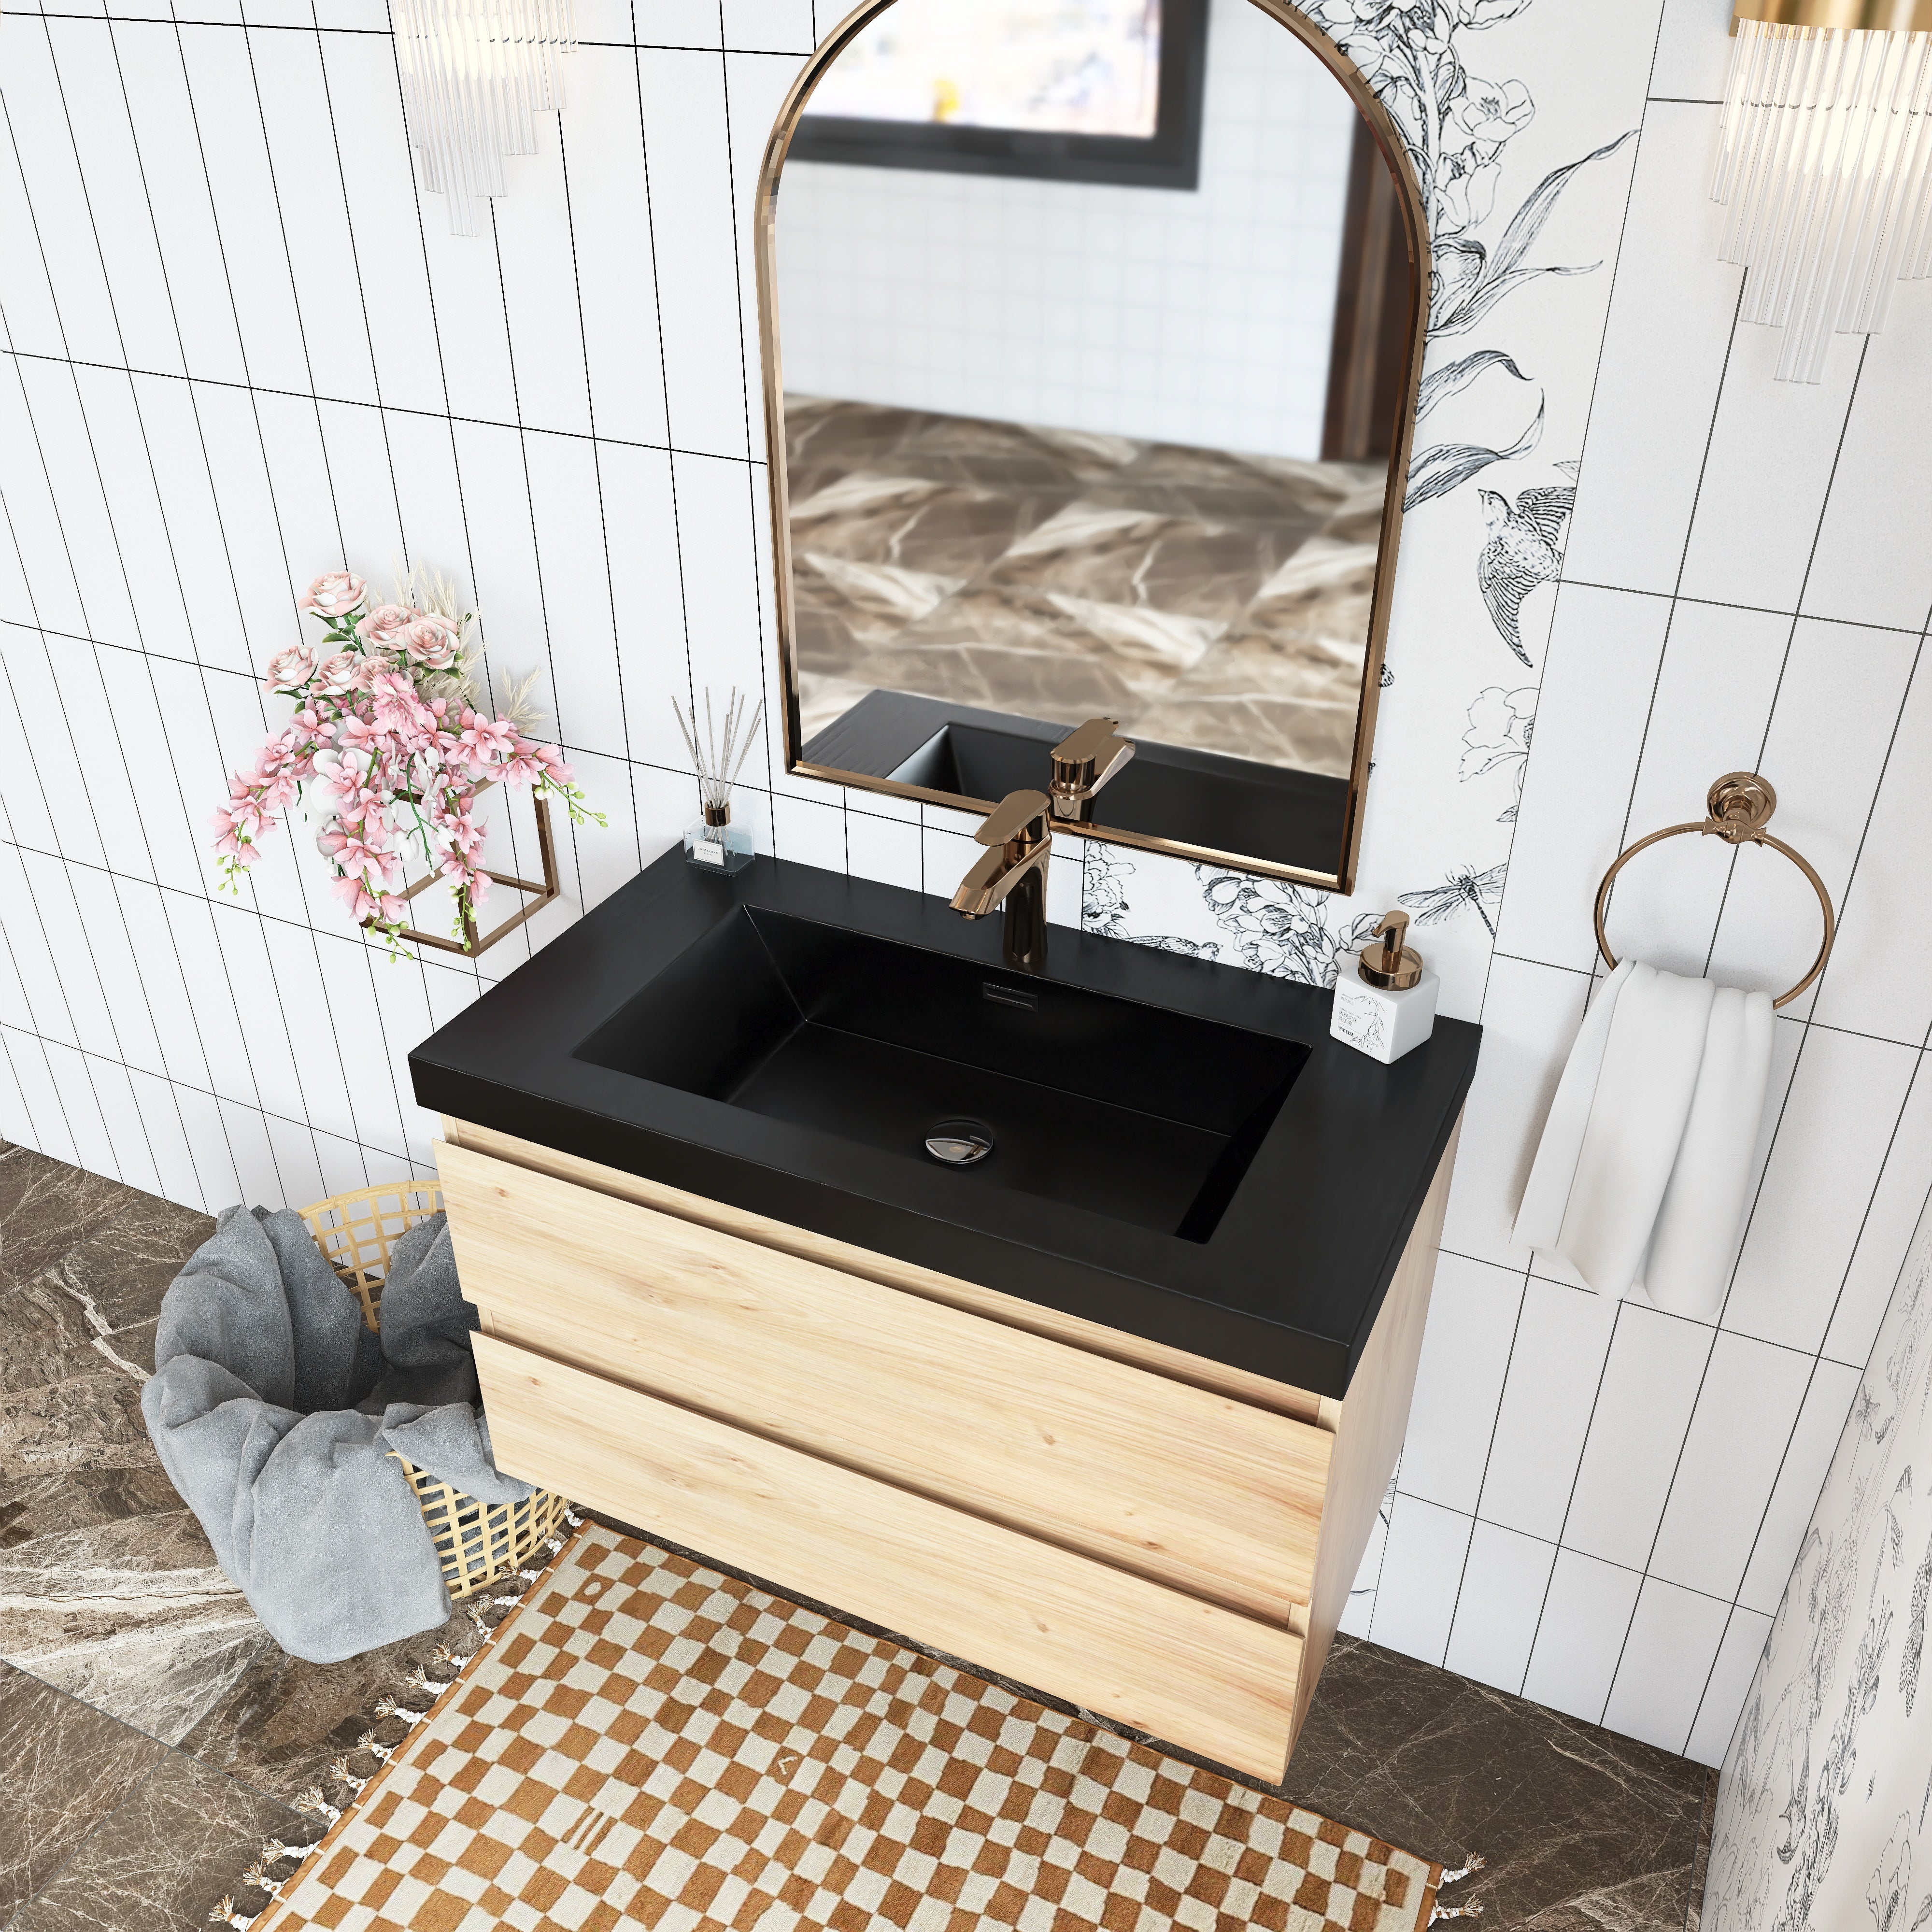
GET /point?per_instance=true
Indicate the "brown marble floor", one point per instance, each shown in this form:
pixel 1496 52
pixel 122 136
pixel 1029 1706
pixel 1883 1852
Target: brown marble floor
pixel 151 1734
pixel 1202 598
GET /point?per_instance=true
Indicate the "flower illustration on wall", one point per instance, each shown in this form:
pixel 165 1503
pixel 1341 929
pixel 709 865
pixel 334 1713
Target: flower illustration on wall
pixel 1500 723
pixel 1455 124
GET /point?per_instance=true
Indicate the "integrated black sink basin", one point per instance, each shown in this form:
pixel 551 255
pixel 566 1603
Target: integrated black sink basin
pixel 1145 1116
pixel 1178 1150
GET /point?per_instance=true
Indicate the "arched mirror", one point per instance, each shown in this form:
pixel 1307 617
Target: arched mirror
pixel 1091 334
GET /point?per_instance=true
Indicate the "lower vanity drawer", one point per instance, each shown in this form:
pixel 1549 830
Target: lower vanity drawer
pixel 1191 1671
pixel 1197 1491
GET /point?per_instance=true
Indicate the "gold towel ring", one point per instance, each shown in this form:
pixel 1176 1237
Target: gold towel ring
pixel 1741 804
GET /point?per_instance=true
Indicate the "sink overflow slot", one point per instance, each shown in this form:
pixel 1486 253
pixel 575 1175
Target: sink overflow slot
pixel 1025 997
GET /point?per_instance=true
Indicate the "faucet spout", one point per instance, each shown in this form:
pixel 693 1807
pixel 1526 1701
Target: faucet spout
pixel 1013 874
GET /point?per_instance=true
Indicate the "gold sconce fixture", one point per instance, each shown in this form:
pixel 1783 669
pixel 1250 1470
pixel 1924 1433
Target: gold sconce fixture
pixel 1824 161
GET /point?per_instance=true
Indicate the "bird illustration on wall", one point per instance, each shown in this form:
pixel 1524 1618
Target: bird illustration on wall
pixel 1525 549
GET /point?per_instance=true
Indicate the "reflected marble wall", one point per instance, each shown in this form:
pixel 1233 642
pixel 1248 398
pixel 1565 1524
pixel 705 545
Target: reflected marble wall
pixel 1203 598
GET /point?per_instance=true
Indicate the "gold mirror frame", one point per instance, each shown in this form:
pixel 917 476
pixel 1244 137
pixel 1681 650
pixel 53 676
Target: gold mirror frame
pixel 765 254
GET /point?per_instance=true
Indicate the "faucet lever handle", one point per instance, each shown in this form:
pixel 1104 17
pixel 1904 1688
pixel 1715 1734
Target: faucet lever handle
pixel 1013 816
pixel 1083 761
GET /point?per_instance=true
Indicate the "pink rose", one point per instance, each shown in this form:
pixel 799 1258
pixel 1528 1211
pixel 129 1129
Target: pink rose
pixel 290 668
pixel 333 595
pixel 382 629
pixel 432 642
pixel 336 675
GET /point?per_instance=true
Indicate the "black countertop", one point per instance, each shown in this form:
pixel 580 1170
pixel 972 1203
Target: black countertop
pixel 1288 1284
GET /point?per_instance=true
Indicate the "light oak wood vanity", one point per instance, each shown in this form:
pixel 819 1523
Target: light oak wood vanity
pixel 1163 1539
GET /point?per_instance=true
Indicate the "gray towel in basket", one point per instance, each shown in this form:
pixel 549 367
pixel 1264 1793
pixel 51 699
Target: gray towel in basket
pixel 273 1408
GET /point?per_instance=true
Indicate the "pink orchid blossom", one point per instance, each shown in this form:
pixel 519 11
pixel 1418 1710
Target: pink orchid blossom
pixel 333 595
pixel 389 766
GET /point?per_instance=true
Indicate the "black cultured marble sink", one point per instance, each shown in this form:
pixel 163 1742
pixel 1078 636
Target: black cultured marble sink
pixel 1178 1150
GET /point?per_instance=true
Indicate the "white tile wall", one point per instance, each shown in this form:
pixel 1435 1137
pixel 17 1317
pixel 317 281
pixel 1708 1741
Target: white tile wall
pixel 239 349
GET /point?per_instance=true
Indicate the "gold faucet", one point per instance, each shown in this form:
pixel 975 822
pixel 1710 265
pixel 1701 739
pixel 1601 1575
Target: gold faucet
pixel 1083 763
pixel 1013 873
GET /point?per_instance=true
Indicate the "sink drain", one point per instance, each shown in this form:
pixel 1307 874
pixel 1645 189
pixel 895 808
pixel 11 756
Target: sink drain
pixel 959 1143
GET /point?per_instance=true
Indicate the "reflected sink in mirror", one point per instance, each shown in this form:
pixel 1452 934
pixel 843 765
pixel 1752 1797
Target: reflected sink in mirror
pixel 1146 1117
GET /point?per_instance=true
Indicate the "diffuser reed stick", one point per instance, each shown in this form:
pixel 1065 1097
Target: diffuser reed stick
pixel 719 761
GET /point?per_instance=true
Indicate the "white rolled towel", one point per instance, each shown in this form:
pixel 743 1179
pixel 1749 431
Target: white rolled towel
pixel 1640 1178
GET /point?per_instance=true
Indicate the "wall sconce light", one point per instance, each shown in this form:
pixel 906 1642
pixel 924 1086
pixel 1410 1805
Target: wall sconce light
pixel 1826 162
pixel 476 73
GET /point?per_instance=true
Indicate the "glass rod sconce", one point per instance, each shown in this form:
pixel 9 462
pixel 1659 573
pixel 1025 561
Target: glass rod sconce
pixel 1824 163
pixel 476 75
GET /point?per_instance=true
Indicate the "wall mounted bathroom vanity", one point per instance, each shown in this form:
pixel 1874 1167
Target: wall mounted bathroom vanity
pixel 1110 1410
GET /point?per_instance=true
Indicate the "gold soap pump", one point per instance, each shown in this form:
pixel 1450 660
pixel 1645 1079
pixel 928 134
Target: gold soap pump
pixel 1386 1005
pixel 1391 964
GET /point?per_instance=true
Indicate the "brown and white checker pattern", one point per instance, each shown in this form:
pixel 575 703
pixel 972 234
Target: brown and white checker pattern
pixel 647 1744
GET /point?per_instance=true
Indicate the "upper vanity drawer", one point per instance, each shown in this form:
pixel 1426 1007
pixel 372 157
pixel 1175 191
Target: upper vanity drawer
pixel 1194 1490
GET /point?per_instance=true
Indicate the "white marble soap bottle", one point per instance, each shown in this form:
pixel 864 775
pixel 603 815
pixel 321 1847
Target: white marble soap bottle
pixel 1384 996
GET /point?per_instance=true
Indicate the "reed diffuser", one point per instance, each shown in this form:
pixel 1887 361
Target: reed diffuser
pixel 711 841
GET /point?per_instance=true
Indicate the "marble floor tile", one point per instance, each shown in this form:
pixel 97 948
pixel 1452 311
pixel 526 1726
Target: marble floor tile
pixel 1584 1831
pixel 63 1768
pixel 132 1616
pixel 176 1844
pixel 280 1717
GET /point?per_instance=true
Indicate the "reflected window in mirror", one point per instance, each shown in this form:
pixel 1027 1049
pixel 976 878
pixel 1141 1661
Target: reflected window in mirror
pixel 1056 449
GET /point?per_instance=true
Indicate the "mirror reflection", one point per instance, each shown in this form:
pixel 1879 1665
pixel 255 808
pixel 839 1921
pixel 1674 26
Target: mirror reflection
pixel 1095 320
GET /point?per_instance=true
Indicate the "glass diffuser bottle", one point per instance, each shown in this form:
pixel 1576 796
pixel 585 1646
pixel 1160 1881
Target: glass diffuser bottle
pixel 712 842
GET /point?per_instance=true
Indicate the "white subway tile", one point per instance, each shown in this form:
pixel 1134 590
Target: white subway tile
pixel 27 1054
pixel 1472 1319
pixel 811 833
pixel 1504 1582
pixel 1883 912
pixel 610 211
pixel 1422 1567
pixel 1643 1409
pixel 174 1014
pixel 126 1126
pixel 1729 1684
pixel 567 516
pixel 1845 1102
pixel 95 109
pixel 1531 1014
pixel 540 296
pixel 72 1077
pixel 215 1166
pixel 177 1174
pixel 1821 1419
pixel 298 1165
pixel 1737 1445
pixel 1693 52
pixel 694 247
pixel 1591 717
pixel 1664 345
pixel 1886 1232
pixel 1667 1662
pixel 253 245
pixel 1586 1616
pixel 885 849
pixel 1562 1338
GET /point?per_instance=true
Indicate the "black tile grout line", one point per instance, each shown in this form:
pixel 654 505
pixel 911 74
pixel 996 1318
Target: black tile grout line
pixel 1755 610
pixel 667 448
pixel 1609 1562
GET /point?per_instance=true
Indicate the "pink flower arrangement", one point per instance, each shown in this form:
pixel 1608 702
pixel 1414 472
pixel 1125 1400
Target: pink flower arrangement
pixel 387 727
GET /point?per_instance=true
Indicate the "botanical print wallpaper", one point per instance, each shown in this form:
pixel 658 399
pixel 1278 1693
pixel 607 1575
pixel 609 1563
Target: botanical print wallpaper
pixel 1825 1793
pixel 1492 481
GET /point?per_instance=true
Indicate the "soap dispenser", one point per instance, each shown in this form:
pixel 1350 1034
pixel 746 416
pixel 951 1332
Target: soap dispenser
pixel 1384 996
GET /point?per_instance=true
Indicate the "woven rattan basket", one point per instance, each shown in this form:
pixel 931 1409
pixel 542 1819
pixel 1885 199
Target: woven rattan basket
pixel 476 1542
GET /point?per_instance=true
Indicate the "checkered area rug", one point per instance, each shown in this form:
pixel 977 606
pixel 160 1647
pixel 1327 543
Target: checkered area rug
pixel 644 1743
